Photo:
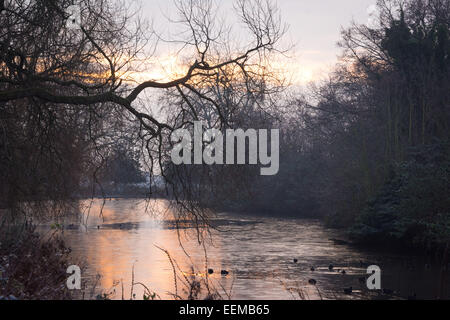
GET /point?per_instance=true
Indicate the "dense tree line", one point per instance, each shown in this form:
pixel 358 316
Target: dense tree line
pixel 369 148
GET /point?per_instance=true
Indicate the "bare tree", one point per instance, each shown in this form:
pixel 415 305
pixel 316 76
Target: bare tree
pixel 83 75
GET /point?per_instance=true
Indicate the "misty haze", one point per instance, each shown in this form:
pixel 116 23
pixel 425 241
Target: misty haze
pixel 224 150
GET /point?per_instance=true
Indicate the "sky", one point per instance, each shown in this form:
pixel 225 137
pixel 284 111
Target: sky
pixel 314 29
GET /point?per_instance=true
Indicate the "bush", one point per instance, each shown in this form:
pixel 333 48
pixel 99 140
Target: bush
pixel 31 267
pixel 413 207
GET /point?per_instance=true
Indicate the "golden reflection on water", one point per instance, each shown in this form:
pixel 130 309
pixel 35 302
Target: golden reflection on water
pixel 127 240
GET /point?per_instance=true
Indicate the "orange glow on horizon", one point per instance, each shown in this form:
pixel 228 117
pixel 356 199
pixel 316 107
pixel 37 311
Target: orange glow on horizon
pixel 170 67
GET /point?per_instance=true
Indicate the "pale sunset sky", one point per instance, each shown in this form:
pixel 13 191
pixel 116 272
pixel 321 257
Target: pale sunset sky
pixel 314 29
